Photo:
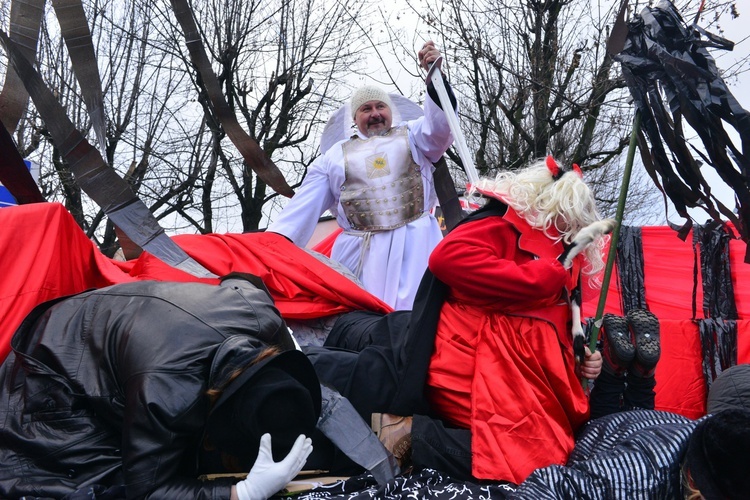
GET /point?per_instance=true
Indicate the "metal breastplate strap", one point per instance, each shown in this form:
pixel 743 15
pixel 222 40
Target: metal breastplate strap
pixel 383 187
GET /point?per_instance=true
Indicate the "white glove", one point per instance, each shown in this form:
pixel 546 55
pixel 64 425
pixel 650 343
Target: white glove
pixel 584 238
pixel 268 477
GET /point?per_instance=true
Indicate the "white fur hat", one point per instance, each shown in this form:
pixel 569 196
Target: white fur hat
pixel 368 93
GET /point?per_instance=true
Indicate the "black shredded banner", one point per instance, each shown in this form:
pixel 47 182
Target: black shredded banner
pixel 675 83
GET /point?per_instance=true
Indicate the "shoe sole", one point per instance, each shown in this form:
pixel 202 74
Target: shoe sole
pixel 394 434
pixel 645 327
pixel 618 339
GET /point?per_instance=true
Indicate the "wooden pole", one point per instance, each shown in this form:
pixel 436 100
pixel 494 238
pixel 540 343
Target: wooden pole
pixel 616 232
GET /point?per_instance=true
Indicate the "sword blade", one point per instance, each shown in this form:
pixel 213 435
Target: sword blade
pixel 436 78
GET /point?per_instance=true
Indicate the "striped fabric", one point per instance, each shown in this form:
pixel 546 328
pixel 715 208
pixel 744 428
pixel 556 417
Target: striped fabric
pixel 629 455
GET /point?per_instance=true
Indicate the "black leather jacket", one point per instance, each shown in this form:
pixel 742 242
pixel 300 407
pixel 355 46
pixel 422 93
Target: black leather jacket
pixel 107 388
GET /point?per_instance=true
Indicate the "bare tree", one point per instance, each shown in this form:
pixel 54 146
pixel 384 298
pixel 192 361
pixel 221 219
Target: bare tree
pixel 533 77
pixel 279 66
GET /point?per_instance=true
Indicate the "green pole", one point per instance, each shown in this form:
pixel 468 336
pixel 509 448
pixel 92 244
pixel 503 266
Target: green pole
pixel 616 232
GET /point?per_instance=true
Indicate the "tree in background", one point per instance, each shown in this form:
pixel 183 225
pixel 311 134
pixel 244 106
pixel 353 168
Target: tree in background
pixel 279 65
pixel 534 78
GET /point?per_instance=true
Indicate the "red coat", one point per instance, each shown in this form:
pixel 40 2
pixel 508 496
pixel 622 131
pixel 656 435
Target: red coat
pixel 503 361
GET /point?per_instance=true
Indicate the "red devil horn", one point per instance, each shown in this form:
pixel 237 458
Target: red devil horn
pixel 577 170
pixel 553 167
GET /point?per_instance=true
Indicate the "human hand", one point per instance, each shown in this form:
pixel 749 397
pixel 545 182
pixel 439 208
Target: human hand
pixel 428 54
pixel 268 477
pixel 591 366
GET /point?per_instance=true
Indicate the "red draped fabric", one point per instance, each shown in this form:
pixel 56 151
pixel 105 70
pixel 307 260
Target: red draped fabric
pixel 670 281
pixel 325 245
pixel 45 255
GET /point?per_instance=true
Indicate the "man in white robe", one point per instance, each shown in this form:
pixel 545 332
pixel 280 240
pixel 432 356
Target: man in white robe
pixel 379 185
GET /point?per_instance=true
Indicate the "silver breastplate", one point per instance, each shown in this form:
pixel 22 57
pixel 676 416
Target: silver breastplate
pixel 383 187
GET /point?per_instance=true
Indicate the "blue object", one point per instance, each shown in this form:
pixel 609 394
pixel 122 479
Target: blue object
pixel 7 199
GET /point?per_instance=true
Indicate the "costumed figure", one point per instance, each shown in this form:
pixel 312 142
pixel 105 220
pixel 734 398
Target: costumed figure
pixel 379 184
pixel 480 377
pixel 137 389
pixel 503 364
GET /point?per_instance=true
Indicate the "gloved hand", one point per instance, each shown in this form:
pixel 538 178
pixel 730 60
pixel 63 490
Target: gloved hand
pixel 268 477
pixel 584 238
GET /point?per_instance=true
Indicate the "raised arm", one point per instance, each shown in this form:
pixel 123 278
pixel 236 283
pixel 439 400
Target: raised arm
pixel 431 134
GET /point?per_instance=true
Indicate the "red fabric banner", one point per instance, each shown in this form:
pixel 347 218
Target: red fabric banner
pixel 45 255
pixel 670 280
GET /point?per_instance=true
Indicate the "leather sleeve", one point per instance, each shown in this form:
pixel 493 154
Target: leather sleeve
pixel 272 329
pixel 160 425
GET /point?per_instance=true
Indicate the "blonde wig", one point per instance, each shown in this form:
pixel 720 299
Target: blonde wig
pixel 690 492
pixel 565 204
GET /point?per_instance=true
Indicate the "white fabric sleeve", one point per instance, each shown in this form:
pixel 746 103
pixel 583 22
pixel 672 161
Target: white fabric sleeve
pixel 299 217
pixel 431 134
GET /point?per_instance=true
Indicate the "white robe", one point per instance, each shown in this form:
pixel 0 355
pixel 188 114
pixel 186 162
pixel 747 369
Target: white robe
pixel 395 261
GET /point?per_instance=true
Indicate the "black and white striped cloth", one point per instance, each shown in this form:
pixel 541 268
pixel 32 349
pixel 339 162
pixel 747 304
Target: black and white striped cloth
pixel 629 455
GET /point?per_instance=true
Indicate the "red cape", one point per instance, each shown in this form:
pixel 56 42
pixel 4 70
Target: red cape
pixel 45 255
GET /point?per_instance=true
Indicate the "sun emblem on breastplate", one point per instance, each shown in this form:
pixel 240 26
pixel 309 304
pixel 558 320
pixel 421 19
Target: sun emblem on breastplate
pixel 377 166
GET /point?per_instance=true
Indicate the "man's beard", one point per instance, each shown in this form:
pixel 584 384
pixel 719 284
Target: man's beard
pixel 374 133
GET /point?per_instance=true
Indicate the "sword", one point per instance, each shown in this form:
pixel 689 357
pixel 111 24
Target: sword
pixel 433 75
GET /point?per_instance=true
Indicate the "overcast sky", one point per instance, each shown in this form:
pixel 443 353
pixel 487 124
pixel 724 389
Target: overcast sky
pixel 729 62
pixel 739 84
